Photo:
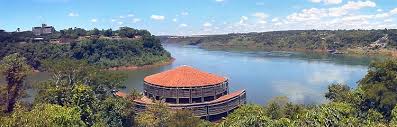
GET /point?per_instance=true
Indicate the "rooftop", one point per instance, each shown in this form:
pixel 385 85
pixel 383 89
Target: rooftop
pixel 184 76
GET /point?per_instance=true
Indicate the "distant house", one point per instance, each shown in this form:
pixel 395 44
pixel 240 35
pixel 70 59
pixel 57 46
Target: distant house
pixel 44 29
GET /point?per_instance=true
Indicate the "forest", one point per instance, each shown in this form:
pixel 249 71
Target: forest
pixel 130 47
pixel 292 39
pixel 80 94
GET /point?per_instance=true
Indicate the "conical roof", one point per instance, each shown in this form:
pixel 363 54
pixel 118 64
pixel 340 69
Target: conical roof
pixel 184 76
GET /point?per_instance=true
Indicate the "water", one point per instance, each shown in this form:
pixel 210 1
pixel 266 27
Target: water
pixel 302 77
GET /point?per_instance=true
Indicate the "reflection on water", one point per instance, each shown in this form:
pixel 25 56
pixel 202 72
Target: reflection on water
pixel 303 77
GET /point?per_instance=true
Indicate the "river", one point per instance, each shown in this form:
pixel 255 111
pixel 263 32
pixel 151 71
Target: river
pixel 302 77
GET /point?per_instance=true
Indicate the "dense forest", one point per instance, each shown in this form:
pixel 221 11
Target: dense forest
pixel 293 39
pixel 79 94
pixel 104 48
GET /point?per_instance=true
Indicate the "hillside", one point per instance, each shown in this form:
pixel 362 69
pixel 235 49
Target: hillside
pixel 106 48
pixel 295 40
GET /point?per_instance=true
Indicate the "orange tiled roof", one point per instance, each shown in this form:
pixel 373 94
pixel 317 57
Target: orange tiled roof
pixel 121 94
pixel 184 76
pixel 228 96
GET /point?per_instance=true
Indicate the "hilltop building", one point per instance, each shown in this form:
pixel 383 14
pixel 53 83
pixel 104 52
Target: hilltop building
pixel 206 95
pixel 44 29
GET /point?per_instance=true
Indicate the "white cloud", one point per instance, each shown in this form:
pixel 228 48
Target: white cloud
pixel 315 1
pixel 174 20
pixel 130 15
pixel 388 20
pixel 308 14
pixel 351 5
pixel 73 14
pixel 219 0
pixel 243 20
pixel 135 20
pixel 275 19
pixel 120 23
pixel 261 17
pixel 113 20
pixel 394 11
pixel 182 25
pixel 327 1
pixel 157 17
pixel 207 24
pixel 184 13
pixel 121 17
pixel 379 10
pixel 94 20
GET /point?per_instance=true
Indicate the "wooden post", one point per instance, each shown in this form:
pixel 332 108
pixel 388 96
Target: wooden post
pixel 190 99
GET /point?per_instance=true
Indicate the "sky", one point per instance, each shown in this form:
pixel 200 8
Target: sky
pixel 200 17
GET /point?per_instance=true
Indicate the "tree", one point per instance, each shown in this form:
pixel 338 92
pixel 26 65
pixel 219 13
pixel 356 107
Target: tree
pixel 247 116
pixel 95 31
pixel 117 112
pixel 156 115
pixel 44 115
pixel 337 92
pixel 393 121
pixel 84 99
pixel 380 87
pixel 15 70
pixel 184 118
pixel 333 114
pixel 108 33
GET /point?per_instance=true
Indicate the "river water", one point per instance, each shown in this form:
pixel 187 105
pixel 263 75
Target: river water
pixel 302 77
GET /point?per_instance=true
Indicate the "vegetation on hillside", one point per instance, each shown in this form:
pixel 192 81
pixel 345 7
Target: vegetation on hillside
pixel 129 47
pixel 293 39
pixel 79 94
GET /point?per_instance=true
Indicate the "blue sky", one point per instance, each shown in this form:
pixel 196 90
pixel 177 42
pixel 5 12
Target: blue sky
pixel 192 17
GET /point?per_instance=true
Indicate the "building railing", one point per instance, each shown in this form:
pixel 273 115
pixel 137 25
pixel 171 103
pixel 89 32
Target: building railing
pixel 214 107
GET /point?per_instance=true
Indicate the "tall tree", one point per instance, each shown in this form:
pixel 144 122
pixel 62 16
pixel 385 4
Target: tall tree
pixel 15 70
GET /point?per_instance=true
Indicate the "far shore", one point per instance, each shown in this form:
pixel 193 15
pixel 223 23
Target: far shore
pixel 133 67
pixel 349 51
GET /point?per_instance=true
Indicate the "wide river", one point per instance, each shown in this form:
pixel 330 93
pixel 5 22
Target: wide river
pixel 302 77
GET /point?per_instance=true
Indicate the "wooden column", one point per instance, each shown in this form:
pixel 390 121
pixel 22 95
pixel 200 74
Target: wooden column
pixel 177 95
pixel 202 95
pixel 190 99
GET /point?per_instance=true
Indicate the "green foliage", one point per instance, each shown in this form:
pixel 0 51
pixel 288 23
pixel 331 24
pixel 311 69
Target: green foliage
pixel 117 112
pixel 14 69
pixel 184 118
pixel 159 115
pixel 156 115
pixel 99 50
pixel 292 39
pixel 331 115
pixel 44 115
pixel 247 116
pixel 380 86
pixel 393 122
pixel 338 92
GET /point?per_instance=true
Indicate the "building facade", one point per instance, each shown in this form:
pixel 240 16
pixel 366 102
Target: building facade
pixel 206 95
pixel 44 29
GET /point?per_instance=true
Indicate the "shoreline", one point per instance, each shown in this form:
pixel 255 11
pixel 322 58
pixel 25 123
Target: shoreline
pixel 348 51
pixel 133 67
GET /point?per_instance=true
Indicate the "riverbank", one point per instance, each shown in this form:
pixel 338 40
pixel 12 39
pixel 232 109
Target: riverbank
pixel 347 52
pixel 133 67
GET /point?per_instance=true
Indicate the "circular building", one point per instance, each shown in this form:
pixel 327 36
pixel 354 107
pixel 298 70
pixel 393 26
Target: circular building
pixel 185 87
